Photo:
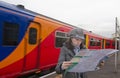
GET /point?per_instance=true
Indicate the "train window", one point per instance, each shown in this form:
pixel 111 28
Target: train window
pixel 61 34
pixel 85 39
pixel 10 34
pixel 60 41
pixel 107 43
pixel 61 37
pixel 113 44
pixel 92 42
pixel 32 36
pixel 98 42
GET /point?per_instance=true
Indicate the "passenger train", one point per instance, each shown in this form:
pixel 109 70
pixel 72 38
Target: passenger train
pixel 30 42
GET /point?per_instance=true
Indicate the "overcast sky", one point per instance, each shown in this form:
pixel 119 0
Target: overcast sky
pixel 97 16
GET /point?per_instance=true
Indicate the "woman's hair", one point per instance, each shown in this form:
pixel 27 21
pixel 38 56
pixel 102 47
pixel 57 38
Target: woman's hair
pixel 69 45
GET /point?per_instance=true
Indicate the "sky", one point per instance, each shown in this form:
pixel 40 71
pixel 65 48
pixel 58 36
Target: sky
pixel 97 16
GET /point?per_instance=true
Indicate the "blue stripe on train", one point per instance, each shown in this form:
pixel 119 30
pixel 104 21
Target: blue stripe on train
pixel 13 18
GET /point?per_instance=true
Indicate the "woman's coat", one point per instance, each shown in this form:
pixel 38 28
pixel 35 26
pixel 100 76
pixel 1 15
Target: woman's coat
pixel 66 55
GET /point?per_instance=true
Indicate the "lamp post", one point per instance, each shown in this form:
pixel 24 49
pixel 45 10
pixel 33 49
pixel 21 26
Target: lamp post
pixel 117 35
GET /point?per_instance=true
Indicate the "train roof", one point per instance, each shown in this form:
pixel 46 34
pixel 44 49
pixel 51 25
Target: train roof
pixel 21 9
pixel 96 35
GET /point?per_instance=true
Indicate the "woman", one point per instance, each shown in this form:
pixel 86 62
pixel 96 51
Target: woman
pixel 68 51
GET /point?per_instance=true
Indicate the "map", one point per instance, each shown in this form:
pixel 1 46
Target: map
pixel 87 60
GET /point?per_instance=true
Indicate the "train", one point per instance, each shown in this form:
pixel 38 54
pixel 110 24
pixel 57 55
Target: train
pixel 30 42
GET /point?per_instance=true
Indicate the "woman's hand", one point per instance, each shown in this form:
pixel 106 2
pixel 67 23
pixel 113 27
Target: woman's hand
pixel 102 64
pixel 66 64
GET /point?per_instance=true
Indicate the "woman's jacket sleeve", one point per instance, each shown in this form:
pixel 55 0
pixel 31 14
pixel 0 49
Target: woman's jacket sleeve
pixel 61 59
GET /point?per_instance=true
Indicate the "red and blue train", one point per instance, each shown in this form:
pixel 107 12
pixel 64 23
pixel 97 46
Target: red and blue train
pixel 30 42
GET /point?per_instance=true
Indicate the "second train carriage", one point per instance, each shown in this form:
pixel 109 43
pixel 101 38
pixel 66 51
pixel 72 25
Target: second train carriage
pixel 30 42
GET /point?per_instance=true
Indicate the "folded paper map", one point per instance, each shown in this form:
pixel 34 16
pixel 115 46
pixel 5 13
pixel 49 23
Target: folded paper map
pixel 87 60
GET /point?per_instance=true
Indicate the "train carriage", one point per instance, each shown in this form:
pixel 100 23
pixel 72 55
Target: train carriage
pixel 109 43
pixel 93 41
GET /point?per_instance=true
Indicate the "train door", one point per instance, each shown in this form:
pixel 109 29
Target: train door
pixel 32 47
pixel 103 45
